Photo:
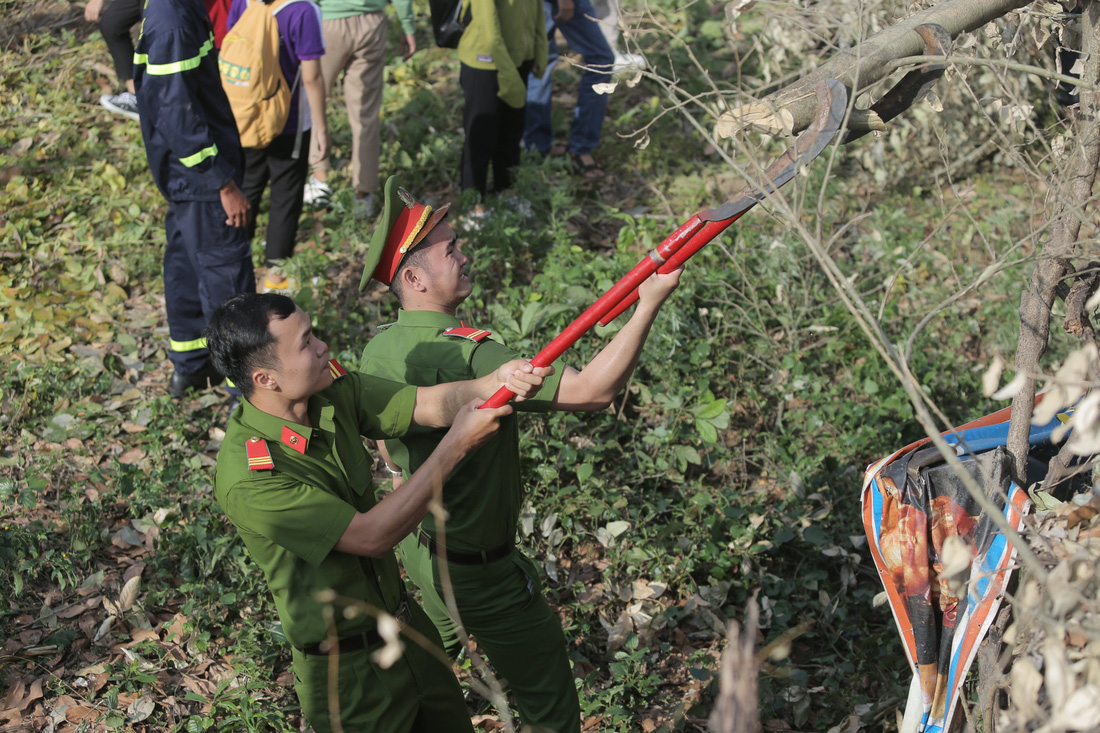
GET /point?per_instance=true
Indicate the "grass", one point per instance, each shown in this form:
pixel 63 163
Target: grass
pixel 729 469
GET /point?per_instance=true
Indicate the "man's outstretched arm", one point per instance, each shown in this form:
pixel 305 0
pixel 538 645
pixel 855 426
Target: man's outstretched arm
pixel 595 386
pixel 375 532
pixel 437 406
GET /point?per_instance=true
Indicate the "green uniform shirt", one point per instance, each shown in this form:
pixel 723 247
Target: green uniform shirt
pixel 484 495
pixel 337 9
pixel 292 515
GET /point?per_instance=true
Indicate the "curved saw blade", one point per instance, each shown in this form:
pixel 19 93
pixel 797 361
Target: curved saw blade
pixel 832 101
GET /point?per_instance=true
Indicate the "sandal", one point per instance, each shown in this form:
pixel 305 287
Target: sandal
pixel 557 150
pixel 588 171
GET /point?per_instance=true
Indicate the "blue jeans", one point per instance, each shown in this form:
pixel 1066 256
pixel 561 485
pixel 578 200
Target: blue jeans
pixel 584 37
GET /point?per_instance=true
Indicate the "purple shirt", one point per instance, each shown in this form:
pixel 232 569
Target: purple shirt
pixel 300 39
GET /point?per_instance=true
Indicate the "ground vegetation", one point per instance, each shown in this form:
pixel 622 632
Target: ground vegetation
pixel 725 478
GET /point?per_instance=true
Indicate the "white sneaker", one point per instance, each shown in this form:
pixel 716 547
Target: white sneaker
pixel 123 103
pixel 366 207
pixel 316 193
pixel 627 62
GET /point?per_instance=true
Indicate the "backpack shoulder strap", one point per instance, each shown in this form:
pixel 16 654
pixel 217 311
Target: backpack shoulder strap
pixel 280 4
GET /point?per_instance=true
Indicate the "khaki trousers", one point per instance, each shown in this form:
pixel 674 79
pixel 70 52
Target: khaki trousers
pixel 357 46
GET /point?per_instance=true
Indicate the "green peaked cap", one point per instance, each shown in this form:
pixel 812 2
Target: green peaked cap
pixel 402 225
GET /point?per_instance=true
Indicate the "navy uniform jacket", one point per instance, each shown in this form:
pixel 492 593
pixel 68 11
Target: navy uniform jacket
pixel 191 138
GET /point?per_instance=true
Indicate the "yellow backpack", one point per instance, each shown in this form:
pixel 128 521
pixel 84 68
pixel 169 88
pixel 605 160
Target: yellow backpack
pixel 249 66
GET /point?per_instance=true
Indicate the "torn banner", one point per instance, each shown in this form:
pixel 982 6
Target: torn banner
pixel 912 503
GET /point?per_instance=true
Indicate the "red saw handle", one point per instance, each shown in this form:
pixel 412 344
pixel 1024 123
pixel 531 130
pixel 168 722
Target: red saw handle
pixel 700 229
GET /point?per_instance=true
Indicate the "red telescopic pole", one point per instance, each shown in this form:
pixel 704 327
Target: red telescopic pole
pixel 702 237
pixel 697 231
pixel 618 291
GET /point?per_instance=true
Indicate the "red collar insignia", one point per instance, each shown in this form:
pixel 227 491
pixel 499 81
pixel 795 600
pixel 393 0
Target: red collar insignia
pixel 293 440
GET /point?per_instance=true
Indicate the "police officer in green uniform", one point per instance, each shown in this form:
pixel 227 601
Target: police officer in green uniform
pixel 497 589
pixel 295 480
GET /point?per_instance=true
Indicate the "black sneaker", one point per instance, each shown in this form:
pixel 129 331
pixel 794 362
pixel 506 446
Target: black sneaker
pixel 124 103
pixel 180 384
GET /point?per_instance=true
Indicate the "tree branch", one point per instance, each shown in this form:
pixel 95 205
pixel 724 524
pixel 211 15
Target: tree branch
pixel 1079 174
pixel 792 108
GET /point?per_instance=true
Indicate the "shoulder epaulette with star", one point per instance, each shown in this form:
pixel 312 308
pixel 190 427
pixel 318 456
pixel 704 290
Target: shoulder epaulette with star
pixel 337 370
pixel 259 456
pixel 470 334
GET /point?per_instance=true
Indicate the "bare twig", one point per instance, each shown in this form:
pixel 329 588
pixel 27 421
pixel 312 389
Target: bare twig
pixel 1001 64
pixel 491 688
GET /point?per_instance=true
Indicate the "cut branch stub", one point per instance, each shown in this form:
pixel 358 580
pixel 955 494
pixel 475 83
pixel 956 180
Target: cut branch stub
pixel 912 88
pixel 758 117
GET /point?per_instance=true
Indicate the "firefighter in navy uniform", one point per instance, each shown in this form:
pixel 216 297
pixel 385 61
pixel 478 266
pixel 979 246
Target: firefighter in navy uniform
pixel 195 155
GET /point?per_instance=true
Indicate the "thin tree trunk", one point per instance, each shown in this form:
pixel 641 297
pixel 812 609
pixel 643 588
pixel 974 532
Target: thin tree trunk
pixel 1067 201
pixel 791 109
pixel 736 707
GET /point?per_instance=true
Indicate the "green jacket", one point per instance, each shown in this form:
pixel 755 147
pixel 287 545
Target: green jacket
pixel 503 34
pixel 291 492
pixel 484 495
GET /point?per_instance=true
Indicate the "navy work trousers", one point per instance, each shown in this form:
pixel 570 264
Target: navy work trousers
pixel 204 263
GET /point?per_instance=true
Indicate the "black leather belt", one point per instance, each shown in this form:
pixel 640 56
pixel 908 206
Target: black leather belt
pixel 368 638
pixel 465 558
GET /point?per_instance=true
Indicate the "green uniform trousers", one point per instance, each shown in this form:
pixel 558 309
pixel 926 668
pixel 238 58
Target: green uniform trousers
pixel 418 694
pixel 501 604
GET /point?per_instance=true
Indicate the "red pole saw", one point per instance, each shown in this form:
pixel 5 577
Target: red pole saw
pixel 700 229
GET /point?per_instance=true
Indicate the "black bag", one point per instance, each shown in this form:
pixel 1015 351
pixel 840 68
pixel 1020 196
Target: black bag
pixel 447 22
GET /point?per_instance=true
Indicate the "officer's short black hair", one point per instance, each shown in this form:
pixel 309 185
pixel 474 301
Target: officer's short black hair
pixel 412 259
pixel 239 338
